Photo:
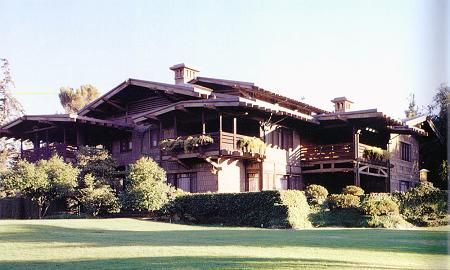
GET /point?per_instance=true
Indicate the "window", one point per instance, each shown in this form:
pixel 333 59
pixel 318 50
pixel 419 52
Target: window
pixel 404 186
pixel 126 145
pixel 154 138
pixel 183 181
pixel 281 137
pixel 405 151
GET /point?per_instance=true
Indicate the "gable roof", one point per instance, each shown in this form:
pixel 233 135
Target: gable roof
pixel 186 90
pixel 230 101
pixel 392 124
pixel 68 118
pixel 251 88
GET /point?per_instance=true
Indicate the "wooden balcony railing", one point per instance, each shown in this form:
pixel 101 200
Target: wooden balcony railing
pixel 222 141
pixel 327 152
pixel 67 152
pixel 340 151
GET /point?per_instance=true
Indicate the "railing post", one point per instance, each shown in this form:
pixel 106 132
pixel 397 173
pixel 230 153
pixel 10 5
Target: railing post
pixel 203 123
pixel 234 133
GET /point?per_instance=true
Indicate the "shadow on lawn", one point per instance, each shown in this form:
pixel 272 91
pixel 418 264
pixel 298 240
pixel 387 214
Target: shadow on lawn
pixel 423 242
pixel 182 262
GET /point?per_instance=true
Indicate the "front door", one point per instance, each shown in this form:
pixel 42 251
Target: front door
pixel 253 181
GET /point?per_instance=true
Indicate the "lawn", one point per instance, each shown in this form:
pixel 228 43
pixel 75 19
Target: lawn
pixel 139 244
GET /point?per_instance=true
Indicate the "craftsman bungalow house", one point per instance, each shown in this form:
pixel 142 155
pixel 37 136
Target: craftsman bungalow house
pixel 231 136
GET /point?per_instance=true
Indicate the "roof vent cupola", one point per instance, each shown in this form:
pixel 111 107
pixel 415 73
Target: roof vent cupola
pixel 183 73
pixel 342 104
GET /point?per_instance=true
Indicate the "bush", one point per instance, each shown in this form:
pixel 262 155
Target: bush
pixel 353 190
pixel 388 221
pixel 316 194
pixel 423 205
pixel 279 209
pixel 98 198
pixel 44 182
pixel 350 217
pixel 343 201
pixel 98 162
pixel 146 187
pixel 379 205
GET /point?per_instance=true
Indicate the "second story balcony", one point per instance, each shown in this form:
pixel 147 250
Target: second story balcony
pixel 214 144
pixel 343 152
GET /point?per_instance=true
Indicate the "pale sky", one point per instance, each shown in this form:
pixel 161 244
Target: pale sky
pixel 373 52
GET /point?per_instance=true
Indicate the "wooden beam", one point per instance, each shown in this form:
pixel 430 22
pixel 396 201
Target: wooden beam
pixel 40 129
pixel 114 104
pixel 327 170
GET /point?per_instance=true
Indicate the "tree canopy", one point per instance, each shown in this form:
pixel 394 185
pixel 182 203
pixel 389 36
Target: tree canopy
pixel 10 109
pixel 74 100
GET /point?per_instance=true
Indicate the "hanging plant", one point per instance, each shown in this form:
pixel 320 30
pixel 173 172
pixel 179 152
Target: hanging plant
pixel 252 145
pixel 188 144
pixel 373 153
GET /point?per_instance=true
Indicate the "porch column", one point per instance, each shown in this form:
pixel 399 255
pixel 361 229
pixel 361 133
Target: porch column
pixel 36 141
pixel 175 125
pixel 21 148
pixel 46 139
pixel 203 123
pixel 356 156
pixel 234 132
pixel 220 122
pixel 64 136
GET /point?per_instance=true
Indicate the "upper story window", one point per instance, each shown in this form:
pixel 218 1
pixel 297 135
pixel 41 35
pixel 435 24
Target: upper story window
pixel 126 145
pixel 281 137
pixel 405 151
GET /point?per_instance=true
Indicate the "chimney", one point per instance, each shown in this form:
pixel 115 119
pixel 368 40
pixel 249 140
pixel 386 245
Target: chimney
pixel 183 74
pixel 342 104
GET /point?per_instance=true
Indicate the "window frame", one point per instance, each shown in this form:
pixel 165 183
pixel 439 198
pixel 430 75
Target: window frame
pixel 405 151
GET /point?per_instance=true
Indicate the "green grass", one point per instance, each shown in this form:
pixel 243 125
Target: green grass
pixel 137 244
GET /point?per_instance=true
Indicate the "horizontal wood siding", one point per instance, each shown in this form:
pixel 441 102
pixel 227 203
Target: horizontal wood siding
pixel 147 104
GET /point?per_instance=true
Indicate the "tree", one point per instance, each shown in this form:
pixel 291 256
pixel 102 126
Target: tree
pixel 146 187
pixel 74 100
pixel 30 182
pixel 413 109
pixel 98 198
pixel 10 109
pixel 433 148
pixel 98 162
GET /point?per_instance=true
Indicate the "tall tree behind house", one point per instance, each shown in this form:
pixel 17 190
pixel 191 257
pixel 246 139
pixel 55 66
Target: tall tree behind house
pixel 73 100
pixel 10 109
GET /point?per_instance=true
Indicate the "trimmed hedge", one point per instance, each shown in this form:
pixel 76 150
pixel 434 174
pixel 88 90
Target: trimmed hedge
pixel 353 190
pixel 316 194
pixel 270 209
pixel 343 201
pixel 379 204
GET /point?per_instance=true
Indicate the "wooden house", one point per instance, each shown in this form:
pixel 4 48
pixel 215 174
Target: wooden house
pixel 232 136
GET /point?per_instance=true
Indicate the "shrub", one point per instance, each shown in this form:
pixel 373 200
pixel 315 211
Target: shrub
pixel 316 194
pixel 423 205
pixel 44 182
pixel 388 221
pixel 280 209
pixel 350 217
pixel 343 201
pixel 98 162
pixel 146 187
pixel 98 198
pixel 353 190
pixel 379 205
